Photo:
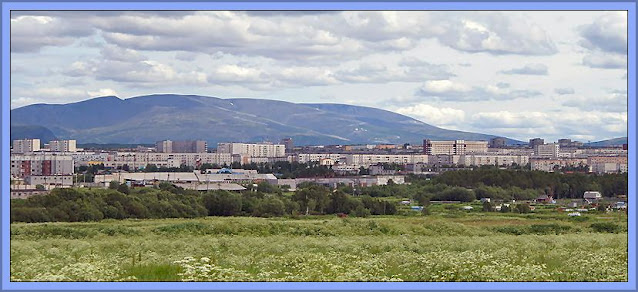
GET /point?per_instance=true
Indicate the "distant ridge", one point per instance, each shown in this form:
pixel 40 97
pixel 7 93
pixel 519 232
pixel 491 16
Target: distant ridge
pixel 609 142
pixel 31 131
pixel 150 118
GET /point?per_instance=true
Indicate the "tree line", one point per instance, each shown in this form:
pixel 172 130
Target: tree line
pixel 168 201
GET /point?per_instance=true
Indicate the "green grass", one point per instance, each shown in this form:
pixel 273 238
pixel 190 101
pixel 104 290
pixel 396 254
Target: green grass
pixel 469 247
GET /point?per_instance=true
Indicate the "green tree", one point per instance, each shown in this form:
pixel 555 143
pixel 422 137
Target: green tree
pixel 114 184
pixel 523 208
pixel 151 168
pixel 426 211
pixel 123 188
pixel 487 207
pixel 270 207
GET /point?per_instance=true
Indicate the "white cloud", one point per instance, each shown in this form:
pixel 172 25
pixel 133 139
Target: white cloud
pixel 552 125
pixel 563 91
pixel 102 92
pixel 605 61
pixel 493 32
pixel 445 87
pixel 606 41
pixel 31 33
pixel 528 69
pixel 434 115
pixel 448 90
pixel 607 33
pixel 610 102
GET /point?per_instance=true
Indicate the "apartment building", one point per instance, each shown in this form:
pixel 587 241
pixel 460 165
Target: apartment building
pixel 551 164
pixel 189 146
pixel 498 142
pixel 366 160
pixel 253 150
pixel 547 150
pixel 456 147
pixel 140 160
pixel 498 160
pixel 608 164
pixel 25 145
pixel 41 164
pixel 89 158
pixel 317 157
pixel 536 141
pixel 63 145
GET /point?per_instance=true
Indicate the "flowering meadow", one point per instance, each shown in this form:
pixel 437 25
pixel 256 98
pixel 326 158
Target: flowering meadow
pixel 476 247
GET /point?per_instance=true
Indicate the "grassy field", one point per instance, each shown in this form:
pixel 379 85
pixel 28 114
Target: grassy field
pixel 454 246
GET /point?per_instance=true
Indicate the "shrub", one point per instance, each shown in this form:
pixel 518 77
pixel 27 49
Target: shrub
pixel 487 207
pixel 360 211
pixel 523 208
pixel 187 227
pixel 426 211
pixel 549 229
pixel 608 227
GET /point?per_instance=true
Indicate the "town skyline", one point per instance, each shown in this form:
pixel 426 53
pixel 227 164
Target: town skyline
pixel 514 74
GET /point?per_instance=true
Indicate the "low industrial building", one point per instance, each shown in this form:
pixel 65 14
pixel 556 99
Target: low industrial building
pixel 146 178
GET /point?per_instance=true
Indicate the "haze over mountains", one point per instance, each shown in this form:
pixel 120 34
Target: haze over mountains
pixel 146 119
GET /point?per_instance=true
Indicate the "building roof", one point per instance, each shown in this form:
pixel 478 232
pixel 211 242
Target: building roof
pixel 211 186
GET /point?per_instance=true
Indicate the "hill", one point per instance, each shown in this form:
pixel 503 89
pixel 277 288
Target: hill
pixel 31 131
pixel 146 119
pixel 610 142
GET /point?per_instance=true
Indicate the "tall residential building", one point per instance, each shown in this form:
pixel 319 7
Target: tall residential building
pixel 26 145
pixel 564 143
pixel 189 146
pixel 165 146
pixel 547 150
pixel 41 164
pixel 498 142
pixel 288 143
pixel 63 145
pixel 536 141
pixel 253 150
pixel 456 147
pixel 196 146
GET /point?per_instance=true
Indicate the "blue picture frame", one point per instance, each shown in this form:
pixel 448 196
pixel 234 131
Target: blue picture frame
pixel 7 6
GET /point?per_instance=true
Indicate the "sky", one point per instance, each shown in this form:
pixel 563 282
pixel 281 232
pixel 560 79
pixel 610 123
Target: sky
pixel 518 74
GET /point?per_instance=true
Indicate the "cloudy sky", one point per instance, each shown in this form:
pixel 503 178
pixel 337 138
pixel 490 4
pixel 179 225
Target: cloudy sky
pixel 546 74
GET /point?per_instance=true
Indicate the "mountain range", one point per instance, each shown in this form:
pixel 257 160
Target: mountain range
pixel 610 142
pixel 150 118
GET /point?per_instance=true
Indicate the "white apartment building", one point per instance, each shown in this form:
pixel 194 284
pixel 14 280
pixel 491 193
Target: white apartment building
pixel 456 147
pixel 307 157
pixel 605 151
pixel 41 164
pixel 366 160
pixel 608 167
pixel 443 159
pixel 142 159
pixel 89 158
pixel 608 164
pixel 511 151
pixel 550 164
pixel 547 150
pixel 25 145
pixel 63 145
pixel 498 160
pixel 253 150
